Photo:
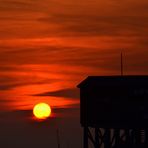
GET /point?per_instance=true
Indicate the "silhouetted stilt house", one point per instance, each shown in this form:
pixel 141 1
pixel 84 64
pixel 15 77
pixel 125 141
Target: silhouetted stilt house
pixel 114 111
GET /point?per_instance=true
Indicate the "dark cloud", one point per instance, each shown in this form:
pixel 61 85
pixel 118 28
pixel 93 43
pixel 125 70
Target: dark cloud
pixel 6 87
pixel 101 57
pixel 66 93
pixel 11 5
pixel 37 48
pixel 110 18
pixel 14 84
pixel 84 24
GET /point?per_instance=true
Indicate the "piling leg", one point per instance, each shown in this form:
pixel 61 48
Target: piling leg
pixel 85 144
pixel 96 138
pixel 107 143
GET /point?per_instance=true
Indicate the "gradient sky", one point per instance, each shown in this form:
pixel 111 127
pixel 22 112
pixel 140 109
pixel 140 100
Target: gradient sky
pixel 48 46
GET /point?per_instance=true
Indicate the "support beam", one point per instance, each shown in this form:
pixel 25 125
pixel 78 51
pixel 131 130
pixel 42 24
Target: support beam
pixel 115 138
pixel 96 137
pixel 85 137
pixel 107 139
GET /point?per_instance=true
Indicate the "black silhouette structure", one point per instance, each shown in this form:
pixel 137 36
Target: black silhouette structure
pixel 114 111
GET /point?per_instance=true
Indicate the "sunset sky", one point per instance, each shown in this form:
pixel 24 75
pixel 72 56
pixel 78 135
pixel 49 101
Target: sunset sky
pixel 48 46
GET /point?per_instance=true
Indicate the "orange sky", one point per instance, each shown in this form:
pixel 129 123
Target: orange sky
pixel 48 46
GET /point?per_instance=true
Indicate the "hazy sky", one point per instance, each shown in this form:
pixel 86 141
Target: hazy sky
pixel 48 46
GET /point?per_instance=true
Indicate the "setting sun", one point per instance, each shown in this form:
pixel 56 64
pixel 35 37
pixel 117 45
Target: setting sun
pixel 42 110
